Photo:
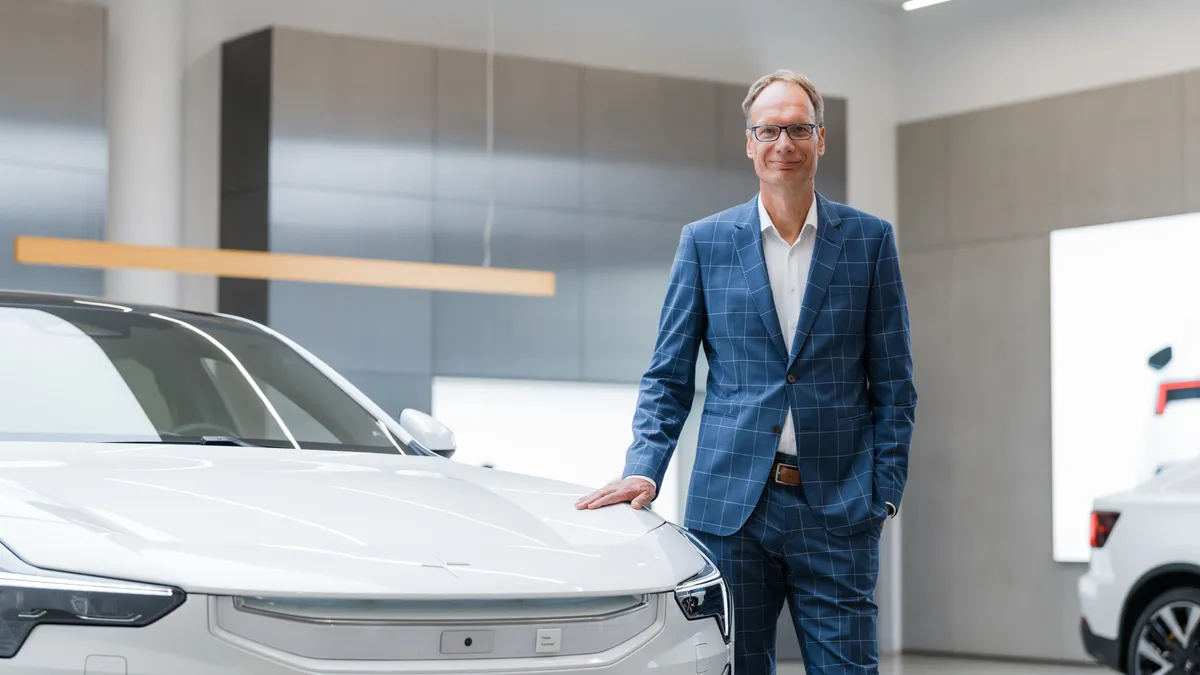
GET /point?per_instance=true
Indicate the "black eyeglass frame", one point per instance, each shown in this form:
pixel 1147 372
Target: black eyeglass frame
pixel 799 125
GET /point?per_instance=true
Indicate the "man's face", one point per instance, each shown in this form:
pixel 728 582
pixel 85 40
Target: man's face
pixel 785 161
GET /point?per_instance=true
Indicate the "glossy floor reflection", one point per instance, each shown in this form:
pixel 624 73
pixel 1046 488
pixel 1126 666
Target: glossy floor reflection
pixel 927 665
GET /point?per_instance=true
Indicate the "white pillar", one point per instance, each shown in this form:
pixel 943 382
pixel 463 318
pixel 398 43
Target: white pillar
pixel 144 92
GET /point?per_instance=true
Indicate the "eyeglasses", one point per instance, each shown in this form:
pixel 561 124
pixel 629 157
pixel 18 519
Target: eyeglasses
pixel 768 133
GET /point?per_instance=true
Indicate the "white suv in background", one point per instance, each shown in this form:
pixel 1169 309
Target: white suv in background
pixel 1140 598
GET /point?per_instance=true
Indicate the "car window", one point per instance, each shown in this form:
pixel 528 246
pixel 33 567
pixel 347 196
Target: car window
pixel 104 375
pixel 256 420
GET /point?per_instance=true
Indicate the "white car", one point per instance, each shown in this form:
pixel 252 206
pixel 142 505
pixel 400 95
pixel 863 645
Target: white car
pixel 195 494
pixel 1140 597
pixel 1173 431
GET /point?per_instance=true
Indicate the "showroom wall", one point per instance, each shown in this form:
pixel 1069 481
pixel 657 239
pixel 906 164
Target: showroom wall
pixel 979 194
pixel 359 147
pixel 53 148
pixel 976 54
pixel 719 42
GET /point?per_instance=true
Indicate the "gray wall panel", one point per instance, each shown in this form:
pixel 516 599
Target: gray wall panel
pixel 927 276
pixel 1000 435
pixel 736 181
pixel 537 139
pixel 352 113
pixel 832 167
pixel 1191 133
pixel 50 203
pixel 53 142
pixel 379 329
pixel 52 66
pixel 1107 178
pixel 648 145
pixel 1002 177
pixel 627 263
pixel 923 185
pixel 478 335
pixel 393 392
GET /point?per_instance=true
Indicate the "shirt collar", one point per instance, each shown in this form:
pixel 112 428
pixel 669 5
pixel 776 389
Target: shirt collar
pixel 764 218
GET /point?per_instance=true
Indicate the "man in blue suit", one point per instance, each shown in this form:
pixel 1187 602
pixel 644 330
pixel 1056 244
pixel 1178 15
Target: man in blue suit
pixel 804 438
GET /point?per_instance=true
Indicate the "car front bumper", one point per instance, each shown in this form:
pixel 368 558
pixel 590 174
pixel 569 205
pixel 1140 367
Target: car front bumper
pixel 190 642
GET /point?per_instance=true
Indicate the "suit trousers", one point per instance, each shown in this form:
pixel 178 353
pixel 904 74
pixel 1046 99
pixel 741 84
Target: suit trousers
pixel 783 552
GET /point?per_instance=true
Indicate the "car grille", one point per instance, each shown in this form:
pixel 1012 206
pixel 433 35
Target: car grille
pixel 437 631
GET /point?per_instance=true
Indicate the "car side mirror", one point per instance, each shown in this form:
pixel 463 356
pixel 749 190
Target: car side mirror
pixel 1160 358
pixel 427 432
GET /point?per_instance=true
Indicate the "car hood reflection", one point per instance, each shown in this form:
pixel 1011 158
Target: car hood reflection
pixel 262 521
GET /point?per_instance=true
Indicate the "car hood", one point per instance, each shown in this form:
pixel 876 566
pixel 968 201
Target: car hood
pixel 259 521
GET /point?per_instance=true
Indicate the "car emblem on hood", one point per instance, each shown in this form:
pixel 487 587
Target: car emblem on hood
pixel 443 565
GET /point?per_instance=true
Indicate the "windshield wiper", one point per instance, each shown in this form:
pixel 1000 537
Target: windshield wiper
pixel 168 439
pixel 224 440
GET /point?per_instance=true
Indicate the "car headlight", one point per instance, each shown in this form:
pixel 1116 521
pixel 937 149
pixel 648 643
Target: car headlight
pixel 706 594
pixel 30 597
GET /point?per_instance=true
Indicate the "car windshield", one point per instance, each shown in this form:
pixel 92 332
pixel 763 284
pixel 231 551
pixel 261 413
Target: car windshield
pixel 99 374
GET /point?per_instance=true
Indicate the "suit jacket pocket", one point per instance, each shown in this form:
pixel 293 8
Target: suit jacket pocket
pixel 719 412
pixel 856 420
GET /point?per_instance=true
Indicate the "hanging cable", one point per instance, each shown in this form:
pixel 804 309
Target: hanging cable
pixel 491 104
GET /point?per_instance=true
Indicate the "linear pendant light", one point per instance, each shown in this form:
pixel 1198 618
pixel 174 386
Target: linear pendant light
pixel 910 5
pixel 284 266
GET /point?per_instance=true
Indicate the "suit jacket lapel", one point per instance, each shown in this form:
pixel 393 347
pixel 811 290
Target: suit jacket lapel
pixel 827 250
pixel 747 239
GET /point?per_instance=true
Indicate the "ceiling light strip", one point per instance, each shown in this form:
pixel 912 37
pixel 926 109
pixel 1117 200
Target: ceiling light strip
pixel 910 5
pixel 284 266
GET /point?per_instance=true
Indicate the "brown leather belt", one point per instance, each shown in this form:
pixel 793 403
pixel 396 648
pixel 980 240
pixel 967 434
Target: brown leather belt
pixel 785 474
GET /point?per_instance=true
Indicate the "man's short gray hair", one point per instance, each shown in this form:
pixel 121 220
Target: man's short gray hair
pixel 785 76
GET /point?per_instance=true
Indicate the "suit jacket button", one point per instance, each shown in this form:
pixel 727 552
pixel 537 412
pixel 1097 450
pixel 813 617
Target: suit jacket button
pixel 791 378
pixel 775 429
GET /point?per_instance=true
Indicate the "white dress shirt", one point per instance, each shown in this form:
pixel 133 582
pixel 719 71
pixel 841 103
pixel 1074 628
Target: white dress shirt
pixel 787 269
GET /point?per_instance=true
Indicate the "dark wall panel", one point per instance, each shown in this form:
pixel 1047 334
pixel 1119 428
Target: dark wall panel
pixel 537 140
pixel 245 164
pixel 352 114
pixel 833 167
pixel 736 180
pixel 478 335
pixel 649 146
pixel 53 143
pixel 1191 137
pixel 381 329
pixel 627 261
pixel 378 149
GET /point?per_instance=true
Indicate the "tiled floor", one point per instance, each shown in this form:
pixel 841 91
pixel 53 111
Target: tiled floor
pixel 926 665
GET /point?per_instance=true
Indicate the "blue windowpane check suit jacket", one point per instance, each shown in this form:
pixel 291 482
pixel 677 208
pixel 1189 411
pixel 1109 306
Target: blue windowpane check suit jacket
pixel 848 378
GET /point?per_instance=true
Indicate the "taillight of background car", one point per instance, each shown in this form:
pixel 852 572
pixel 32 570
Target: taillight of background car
pixel 1102 526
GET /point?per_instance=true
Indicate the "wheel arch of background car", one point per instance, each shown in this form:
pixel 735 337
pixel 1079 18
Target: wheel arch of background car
pixel 1149 586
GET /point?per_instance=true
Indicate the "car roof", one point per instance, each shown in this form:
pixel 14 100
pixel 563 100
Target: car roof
pixel 18 298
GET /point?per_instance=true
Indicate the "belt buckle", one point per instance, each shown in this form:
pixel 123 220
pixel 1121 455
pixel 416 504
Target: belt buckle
pixel 779 468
